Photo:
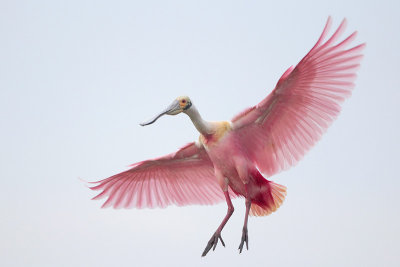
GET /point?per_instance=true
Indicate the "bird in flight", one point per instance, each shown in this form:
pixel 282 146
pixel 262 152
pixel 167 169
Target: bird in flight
pixel 232 158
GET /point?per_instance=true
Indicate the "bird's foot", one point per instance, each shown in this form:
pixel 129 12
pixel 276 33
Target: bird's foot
pixel 213 243
pixel 245 238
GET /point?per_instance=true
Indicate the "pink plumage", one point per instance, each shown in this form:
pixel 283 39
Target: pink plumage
pixel 286 124
pixel 181 178
pixel 231 157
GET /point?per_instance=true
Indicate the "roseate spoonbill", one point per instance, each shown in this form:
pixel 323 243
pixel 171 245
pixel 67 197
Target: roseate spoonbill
pixel 230 157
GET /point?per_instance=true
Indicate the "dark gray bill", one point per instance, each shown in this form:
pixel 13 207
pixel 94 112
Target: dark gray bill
pixel 172 109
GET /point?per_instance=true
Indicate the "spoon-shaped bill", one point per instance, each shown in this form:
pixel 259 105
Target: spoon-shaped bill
pixel 172 109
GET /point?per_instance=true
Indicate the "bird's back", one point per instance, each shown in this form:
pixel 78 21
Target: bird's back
pixel 221 129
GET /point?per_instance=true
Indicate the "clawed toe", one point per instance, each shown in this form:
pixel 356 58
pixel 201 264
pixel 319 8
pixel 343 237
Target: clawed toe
pixel 213 243
pixel 245 239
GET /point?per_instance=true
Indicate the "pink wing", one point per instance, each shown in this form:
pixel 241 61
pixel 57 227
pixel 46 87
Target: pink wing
pixel 289 121
pixel 182 178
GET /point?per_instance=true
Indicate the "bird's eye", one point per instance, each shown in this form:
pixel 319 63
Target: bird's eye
pixel 183 101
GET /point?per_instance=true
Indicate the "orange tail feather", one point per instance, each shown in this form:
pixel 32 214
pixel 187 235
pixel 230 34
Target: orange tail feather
pixel 270 198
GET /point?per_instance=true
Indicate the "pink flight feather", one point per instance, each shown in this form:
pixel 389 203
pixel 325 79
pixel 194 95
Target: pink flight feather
pixel 278 131
pixel 181 178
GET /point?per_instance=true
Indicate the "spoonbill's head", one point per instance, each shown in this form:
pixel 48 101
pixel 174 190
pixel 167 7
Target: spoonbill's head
pixel 180 104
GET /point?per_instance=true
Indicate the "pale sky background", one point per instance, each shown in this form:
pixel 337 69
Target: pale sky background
pixel 77 78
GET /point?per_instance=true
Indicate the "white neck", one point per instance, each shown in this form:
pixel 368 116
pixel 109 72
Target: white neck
pixel 204 127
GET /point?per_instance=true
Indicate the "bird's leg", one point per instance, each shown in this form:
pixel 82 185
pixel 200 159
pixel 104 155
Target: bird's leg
pixel 217 235
pixel 245 237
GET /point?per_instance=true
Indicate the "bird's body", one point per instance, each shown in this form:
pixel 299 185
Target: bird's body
pixel 226 153
pixel 232 158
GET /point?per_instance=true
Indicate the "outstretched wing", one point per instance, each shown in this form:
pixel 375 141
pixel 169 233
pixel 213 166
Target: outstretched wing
pixel 182 178
pixel 279 130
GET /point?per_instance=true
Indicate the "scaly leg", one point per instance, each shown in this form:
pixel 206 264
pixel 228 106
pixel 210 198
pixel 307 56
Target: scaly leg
pixel 217 235
pixel 245 237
